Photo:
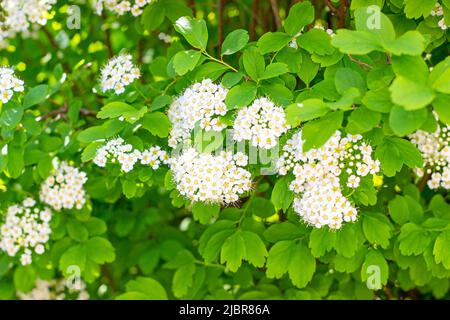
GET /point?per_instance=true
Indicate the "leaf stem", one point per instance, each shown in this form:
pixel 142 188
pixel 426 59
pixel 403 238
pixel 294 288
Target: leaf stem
pixel 219 61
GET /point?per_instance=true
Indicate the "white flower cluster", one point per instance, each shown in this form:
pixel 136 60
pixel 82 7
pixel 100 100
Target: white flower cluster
pixel 9 84
pixel 117 151
pixel 201 103
pixel 209 178
pixel 56 290
pixel 19 15
pixel 26 230
pixel 63 189
pixel 118 73
pixel 438 11
pixel 435 149
pixel 318 173
pixel 262 123
pixel 121 7
pixel 166 38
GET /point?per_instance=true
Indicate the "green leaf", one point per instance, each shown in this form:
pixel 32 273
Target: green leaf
pixel 439 77
pixel 411 67
pixel 373 21
pixel 74 256
pixel 253 63
pixel 308 69
pixel 77 231
pixel 304 111
pixel 346 78
pixel 153 16
pixel 362 120
pixel 355 42
pixel 100 250
pixel 413 239
pixel 261 207
pixel 273 42
pixel 295 259
pixel 185 61
pixel 243 245
pixel 282 231
pixel 36 95
pixel 394 152
pixel 235 41
pixel 204 212
pixel 398 209
pixel 241 95
pixel 282 196
pixel 143 289
pixel 377 229
pixel 378 100
pixel 316 41
pixel 375 270
pixel 25 278
pixel 410 43
pixel 300 15
pixel 194 31
pixel 440 105
pixel 417 8
pixel 274 70
pixel 317 132
pixel 346 244
pixel 160 102
pixel 114 110
pixel 15 161
pixel 321 241
pixel 410 94
pixel 157 123
pixel 404 122
pixel 230 79
pixel 440 250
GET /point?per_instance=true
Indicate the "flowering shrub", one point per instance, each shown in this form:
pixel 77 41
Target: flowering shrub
pixel 173 149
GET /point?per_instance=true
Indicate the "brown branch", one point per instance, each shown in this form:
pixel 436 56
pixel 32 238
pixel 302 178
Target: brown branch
pixel 423 181
pixel 276 13
pixel 220 5
pixel 255 8
pixel 108 38
pixel 359 62
pixel 50 38
pixel 340 12
pixel 109 278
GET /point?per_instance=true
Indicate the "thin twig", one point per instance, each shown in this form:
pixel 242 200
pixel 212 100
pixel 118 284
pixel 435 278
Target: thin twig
pixel 108 38
pixel 220 5
pixel 255 8
pixel 423 181
pixel 50 38
pixel 359 62
pixel 276 13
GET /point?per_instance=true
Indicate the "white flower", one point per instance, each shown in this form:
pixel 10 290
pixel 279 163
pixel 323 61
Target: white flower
pixel 442 24
pixel 435 149
pixel 21 15
pixel 202 104
pixel 63 189
pixel 262 123
pixel 208 178
pixel 121 7
pixel 115 150
pixel 165 37
pixel 318 174
pixel 24 231
pixel 437 11
pixel 118 73
pixel 9 84
pixel 56 289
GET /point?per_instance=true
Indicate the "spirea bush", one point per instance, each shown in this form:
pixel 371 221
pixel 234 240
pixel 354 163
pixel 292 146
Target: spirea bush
pixel 173 149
